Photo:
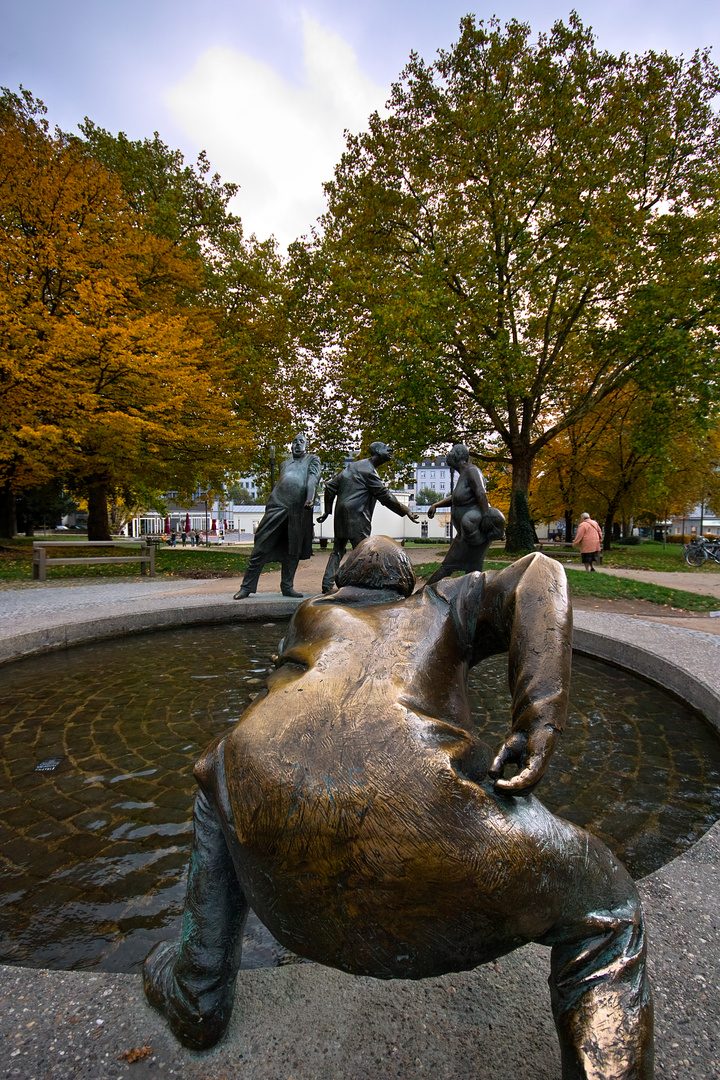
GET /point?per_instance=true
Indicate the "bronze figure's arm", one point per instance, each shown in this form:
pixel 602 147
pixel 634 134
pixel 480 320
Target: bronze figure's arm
pixel 331 489
pixel 438 506
pixel 383 495
pixel 477 483
pixel 527 606
pixel 313 475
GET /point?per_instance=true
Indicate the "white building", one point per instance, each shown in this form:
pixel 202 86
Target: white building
pixel 238 523
pixel 434 473
pixel 696 522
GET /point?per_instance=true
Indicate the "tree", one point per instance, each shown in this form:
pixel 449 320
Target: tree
pixel 528 228
pixel 426 497
pixel 106 377
pixel 637 455
pixel 241 286
pixel 43 506
pixel 240 495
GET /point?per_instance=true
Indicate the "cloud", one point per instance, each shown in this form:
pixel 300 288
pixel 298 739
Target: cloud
pixel 279 141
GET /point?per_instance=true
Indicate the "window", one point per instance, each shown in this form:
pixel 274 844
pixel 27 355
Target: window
pixel 424 529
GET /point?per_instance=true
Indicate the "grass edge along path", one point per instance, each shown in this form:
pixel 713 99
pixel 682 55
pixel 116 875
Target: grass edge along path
pixel 606 587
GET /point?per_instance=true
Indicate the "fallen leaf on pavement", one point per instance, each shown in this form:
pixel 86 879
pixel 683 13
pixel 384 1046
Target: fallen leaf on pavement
pixel 135 1054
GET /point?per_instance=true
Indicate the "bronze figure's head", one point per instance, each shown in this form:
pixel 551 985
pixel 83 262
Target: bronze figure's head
pixel 377 563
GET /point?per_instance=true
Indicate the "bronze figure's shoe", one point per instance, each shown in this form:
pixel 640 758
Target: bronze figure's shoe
pixel 291 592
pixel 198 1019
pixel 242 594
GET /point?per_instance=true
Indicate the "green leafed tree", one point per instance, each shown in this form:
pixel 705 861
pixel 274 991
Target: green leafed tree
pixel 530 224
pixel 426 497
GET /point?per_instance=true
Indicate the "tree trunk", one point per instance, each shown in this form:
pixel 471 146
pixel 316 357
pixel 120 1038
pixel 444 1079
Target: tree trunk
pixel 98 522
pixel 608 530
pixel 8 515
pixel 520 534
pixel 568 527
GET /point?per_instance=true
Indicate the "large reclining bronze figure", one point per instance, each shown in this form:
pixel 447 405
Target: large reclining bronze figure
pixel 356 811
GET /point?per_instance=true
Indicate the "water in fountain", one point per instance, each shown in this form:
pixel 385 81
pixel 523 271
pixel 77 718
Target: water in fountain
pixel 98 745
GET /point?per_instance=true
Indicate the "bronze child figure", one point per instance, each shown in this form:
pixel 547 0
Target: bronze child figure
pixel 356 811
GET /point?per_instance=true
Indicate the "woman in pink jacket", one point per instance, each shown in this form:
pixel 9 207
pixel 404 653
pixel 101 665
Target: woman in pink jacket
pixel 589 539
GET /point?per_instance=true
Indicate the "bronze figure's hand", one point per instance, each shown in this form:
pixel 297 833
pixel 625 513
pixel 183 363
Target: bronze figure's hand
pixel 323 517
pixel 431 510
pixel 413 517
pixel 532 752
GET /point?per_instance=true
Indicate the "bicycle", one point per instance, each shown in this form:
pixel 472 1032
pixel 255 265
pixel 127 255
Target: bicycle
pixel 697 552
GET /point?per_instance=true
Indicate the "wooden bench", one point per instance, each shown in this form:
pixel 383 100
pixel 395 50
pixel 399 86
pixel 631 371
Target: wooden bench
pixel 561 555
pixel 41 561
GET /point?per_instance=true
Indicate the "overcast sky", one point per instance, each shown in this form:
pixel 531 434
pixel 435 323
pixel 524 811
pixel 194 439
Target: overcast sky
pixel 267 87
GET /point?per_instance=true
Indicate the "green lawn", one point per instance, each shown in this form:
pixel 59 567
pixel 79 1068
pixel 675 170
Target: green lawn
pixel 650 555
pixel 611 588
pixel 16 561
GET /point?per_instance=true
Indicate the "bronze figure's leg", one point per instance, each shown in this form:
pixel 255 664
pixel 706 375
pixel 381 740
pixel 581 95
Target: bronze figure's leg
pixel 192 982
pixel 328 581
pixel 546 880
pixel 601 997
pixel 252 575
pixel 287 577
pixel 472 559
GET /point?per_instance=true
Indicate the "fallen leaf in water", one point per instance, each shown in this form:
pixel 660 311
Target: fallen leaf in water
pixel 135 1054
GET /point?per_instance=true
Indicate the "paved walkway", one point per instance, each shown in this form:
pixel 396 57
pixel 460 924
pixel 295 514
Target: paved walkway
pixel 305 1022
pixel 705 584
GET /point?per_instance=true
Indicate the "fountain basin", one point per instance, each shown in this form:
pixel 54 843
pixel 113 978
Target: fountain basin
pixel 97 801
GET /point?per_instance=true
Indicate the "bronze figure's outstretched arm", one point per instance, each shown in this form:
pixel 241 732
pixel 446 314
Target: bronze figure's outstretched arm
pixel 539 638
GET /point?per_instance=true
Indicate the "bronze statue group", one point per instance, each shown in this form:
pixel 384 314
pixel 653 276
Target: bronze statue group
pixel 354 808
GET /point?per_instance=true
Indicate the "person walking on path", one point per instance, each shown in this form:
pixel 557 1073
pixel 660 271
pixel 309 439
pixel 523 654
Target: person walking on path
pixel 589 539
pixel 285 533
pixel 355 491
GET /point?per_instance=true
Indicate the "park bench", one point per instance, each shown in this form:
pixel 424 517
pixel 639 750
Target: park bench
pixel 41 561
pixel 559 553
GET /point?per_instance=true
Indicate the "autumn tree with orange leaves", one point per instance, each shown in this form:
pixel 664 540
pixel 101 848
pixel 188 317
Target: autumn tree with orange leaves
pixel 640 455
pixel 113 368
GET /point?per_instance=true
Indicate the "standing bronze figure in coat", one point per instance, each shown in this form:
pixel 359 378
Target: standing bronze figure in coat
pixel 355 491
pixel 475 521
pixel 285 533
pixel 355 809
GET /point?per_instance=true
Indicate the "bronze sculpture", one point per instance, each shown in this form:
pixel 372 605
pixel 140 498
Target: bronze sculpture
pixel 357 812
pixel 475 521
pixel 355 491
pixel 285 533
